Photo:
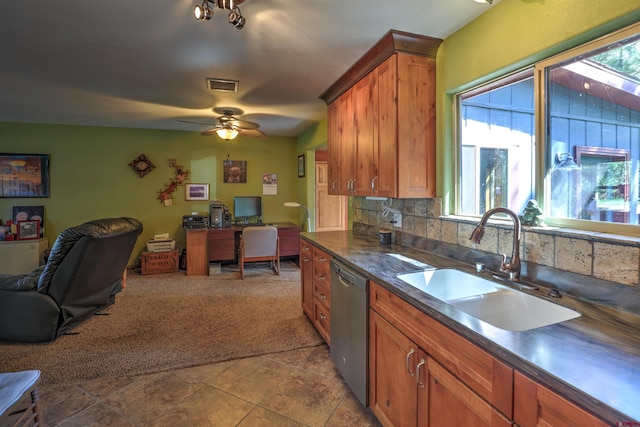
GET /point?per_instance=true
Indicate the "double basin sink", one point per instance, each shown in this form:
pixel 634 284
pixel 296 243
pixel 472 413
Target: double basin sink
pixel 496 304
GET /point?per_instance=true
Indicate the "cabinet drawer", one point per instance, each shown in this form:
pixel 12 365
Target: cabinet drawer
pixel 289 241
pixel 321 257
pixel 222 245
pixel 321 320
pixel 322 292
pixel 487 376
pixel 321 272
pixel 306 249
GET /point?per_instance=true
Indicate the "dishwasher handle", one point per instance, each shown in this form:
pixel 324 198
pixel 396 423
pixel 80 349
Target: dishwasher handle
pixel 348 278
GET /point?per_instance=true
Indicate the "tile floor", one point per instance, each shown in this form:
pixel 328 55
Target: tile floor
pixel 295 388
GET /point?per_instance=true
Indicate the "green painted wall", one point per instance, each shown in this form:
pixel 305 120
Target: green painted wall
pixel 511 35
pixel 91 178
pixel 314 138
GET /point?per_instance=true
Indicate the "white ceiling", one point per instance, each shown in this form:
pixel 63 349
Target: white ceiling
pixel 143 63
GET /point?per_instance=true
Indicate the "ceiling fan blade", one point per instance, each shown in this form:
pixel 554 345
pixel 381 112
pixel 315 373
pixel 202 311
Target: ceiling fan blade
pixel 241 124
pixel 252 133
pixel 197 123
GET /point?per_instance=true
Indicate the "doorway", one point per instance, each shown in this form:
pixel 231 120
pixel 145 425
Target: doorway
pixel 331 211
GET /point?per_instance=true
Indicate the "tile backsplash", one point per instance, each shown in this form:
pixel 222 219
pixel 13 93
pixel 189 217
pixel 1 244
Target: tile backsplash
pixel 601 256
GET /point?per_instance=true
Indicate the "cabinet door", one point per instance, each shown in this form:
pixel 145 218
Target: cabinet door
pixel 416 126
pixel 385 151
pixel 341 147
pixel 535 405
pixel 364 105
pixel 392 382
pixel 333 147
pixel 449 402
pixel 306 265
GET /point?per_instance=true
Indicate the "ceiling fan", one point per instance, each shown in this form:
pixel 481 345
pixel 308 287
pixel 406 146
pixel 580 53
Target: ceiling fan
pixel 228 126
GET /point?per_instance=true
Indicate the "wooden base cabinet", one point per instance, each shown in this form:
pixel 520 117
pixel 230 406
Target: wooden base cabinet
pixel 536 405
pixel 306 273
pixel 423 374
pixel 316 287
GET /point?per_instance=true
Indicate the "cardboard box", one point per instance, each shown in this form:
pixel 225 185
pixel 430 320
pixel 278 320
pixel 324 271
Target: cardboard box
pixel 161 245
pixel 159 262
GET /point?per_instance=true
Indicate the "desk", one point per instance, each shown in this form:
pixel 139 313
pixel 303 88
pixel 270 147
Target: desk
pixel 225 242
pixel 222 244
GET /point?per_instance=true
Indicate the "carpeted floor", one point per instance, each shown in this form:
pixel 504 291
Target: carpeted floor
pixel 164 322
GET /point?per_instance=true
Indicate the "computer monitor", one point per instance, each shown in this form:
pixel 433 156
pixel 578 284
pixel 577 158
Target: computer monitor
pixel 245 207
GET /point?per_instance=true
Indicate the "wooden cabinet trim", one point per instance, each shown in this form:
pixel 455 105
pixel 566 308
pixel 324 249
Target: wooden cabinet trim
pixel 392 41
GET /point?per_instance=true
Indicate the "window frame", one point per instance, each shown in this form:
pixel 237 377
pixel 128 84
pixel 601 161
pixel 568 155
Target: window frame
pixel 543 161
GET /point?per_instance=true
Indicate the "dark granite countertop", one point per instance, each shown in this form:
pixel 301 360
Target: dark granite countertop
pixel 593 360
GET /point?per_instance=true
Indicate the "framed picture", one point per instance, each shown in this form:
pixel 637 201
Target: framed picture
pixel 28 230
pixel 24 175
pixel 235 171
pixel 301 166
pixel 29 213
pixel 196 191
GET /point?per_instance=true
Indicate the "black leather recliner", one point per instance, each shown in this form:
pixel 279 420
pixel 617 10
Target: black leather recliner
pixel 82 275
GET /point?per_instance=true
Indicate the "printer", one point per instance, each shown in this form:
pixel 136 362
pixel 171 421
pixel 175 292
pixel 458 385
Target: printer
pixel 195 221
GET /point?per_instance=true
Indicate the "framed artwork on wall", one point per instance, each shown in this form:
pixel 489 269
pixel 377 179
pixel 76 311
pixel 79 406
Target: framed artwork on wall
pixel 235 171
pixel 24 175
pixel 196 191
pixel 301 166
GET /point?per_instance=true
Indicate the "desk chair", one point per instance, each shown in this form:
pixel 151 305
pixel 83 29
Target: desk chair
pixel 13 387
pixel 259 244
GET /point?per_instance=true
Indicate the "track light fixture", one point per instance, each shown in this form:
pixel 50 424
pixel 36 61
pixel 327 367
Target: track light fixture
pixel 204 12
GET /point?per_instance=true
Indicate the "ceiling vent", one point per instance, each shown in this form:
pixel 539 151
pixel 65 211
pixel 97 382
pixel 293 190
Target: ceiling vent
pixel 222 85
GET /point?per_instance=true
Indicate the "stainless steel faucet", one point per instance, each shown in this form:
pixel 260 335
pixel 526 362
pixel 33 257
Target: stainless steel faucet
pixel 512 268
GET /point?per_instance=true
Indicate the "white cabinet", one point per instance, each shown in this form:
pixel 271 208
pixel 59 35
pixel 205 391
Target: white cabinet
pixel 21 256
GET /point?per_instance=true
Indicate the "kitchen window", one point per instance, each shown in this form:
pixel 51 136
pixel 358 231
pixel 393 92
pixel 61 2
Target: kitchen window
pixel 582 108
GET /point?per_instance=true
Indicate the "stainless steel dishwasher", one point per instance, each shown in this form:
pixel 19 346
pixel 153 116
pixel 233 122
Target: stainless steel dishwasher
pixel 349 327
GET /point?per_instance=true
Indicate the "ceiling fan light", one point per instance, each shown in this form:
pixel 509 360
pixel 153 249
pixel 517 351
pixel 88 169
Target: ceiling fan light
pixel 227 133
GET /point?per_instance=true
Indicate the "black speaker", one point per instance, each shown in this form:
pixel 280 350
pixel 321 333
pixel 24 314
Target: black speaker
pixel 215 215
pixel 226 220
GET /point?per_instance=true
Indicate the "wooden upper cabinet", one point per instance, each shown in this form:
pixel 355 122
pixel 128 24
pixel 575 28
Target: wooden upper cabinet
pixel 364 112
pixel 341 151
pixel 382 121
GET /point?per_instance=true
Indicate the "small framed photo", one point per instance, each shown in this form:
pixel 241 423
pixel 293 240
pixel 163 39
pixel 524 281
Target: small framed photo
pixel 301 166
pixel 28 230
pixel 196 191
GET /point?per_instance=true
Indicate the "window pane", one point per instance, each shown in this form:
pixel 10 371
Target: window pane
pixel 497 146
pixel 593 141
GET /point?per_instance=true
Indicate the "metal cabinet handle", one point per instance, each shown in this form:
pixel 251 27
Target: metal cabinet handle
pixel 323 277
pixel 322 296
pixel 373 183
pixel 322 315
pixel 322 259
pixel 418 376
pixel 408 362
pixel 333 184
pixel 305 259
